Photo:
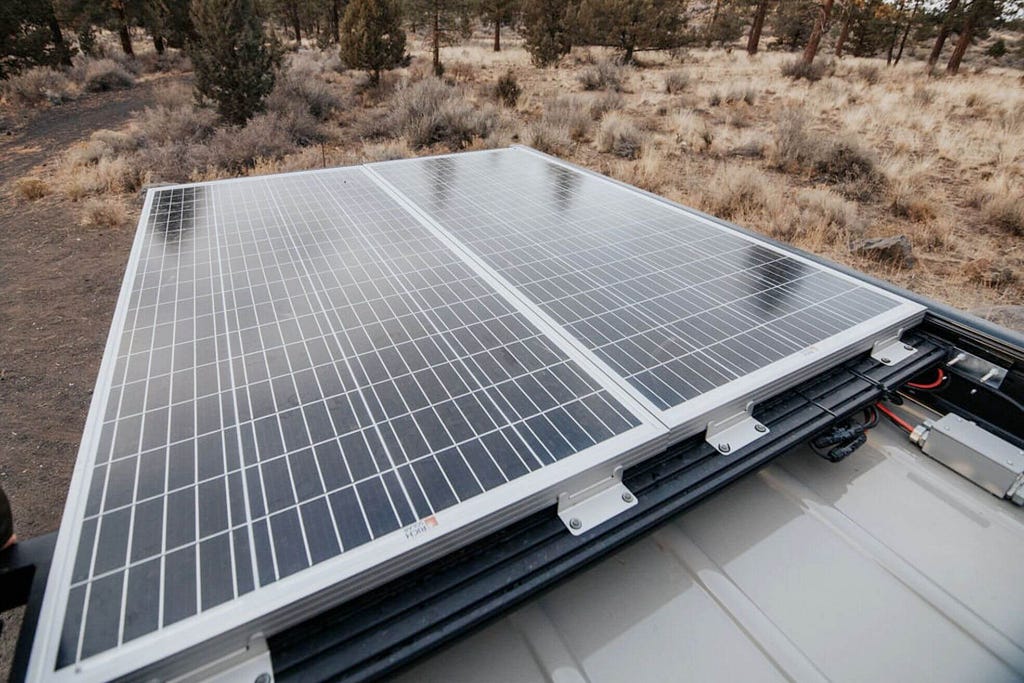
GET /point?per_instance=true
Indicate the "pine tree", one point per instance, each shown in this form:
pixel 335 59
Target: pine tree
pixel 546 32
pixel 448 21
pixel 372 37
pixel 497 12
pixel 233 59
pixel 631 25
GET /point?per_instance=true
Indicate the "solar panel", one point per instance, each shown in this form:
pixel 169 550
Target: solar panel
pixel 689 313
pixel 317 381
pixel 303 370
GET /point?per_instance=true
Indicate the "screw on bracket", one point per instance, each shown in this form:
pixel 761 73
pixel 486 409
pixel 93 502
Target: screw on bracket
pixel 724 448
pixel 263 678
pixel 885 361
pixel 760 428
pixel 627 497
pixel 575 523
pixel 908 347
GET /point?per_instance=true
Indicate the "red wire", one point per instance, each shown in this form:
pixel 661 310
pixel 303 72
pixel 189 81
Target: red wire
pixel 933 385
pixel 894 417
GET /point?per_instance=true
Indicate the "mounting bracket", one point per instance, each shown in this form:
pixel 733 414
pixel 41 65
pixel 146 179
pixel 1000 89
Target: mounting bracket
pixel 892 351
pixel 253 664
pixel 734 432
pixel 587 508
pixel 978 368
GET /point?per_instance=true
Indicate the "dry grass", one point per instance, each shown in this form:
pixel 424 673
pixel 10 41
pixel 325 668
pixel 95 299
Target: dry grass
pixel 106 213
pixel 618 135
pixel 1001 202
pixel 36 86
pixel 605 74
pixel 31 188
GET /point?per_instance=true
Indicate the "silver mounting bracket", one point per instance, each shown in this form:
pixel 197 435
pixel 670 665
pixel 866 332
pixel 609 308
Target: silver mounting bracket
pixel 734 432
pixel 585 509
pixel 892 351
pixel 251 664
pixel 978 368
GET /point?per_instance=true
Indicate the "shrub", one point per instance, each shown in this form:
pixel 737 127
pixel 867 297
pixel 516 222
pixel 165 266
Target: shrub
pixel 430 112
pixel 301 87
pixel 546 138
pixel 35 86
pixel 676 82
pixel 734 95
pixel 104 213
pixel 101 75
pixel 161 125
pixel 794 149
pixel 798 68
pixel 997 49
pixel 735 191
pixel 31 188
pixel 237 148
pixel 571 113
pixel 108 175
pixel 1001 204
pixel 869 73
pixel 173 95
pixel 604 75
pixel 849 166
pixel 386 151
pixel 620 137
pixel 602 103
pixel 507 90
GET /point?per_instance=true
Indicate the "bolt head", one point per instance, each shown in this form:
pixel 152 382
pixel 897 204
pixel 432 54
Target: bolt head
pixel 760 428
pixel 627 497
pixel 263 678
pixel 724 448
pixel 885 361
pixel 575 523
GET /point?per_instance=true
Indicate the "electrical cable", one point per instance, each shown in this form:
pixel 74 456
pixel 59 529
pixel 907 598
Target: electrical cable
pixel 895 418
pixel 931 385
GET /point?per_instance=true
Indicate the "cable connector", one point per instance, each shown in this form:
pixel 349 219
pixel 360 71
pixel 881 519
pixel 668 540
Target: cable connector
pixel 839 435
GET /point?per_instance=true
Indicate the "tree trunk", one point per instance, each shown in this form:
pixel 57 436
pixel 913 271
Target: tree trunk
pixel 906 31
pixel 757 26
pixel 296 24
pixel 940 39
pixel 711 24
pixel 824 13
pixel 844 31
pixel 962 43
pixel 336 21
pixel 895 32
pixel 436 38
pixel 60 47
pixel 122 29
pixel 497 34
pixel 627 57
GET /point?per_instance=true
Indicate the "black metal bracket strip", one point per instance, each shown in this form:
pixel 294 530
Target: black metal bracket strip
pixel 396 624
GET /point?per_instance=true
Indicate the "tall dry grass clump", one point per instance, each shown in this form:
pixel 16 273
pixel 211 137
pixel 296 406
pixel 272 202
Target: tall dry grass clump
pixel 35 86
pixel 1001 202
pixel 432 112
pixel 618 135
pixel 605 74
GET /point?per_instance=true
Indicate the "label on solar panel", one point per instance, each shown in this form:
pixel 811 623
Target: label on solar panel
pixel 318 381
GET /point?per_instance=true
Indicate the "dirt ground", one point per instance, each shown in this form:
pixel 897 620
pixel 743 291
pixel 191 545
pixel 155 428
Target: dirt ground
pixel 58 287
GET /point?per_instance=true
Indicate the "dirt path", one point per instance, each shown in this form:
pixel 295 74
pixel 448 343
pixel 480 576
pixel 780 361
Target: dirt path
pixel 58 286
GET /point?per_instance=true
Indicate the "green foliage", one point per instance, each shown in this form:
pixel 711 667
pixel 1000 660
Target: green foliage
pixel 27 36
pixel 372 37
pixel 507 90
pixel 730 24
pixel 793 22
pixel 631 25
pixel 546 33
pixel 996 49
pixel 446 21
pixel 234 61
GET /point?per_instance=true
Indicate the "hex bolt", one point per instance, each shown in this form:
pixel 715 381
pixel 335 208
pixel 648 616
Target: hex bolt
pixel 760 428
pixel 263 678
pixel 627 497
pixel 908 347
pixel 575 523
pixel 724 448
pixel 885 361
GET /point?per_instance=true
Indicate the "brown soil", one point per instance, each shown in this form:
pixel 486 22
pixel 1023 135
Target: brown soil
pixel 58 286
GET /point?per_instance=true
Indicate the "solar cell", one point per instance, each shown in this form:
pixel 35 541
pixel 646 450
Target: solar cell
pixel 303 369
pixel 677 305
